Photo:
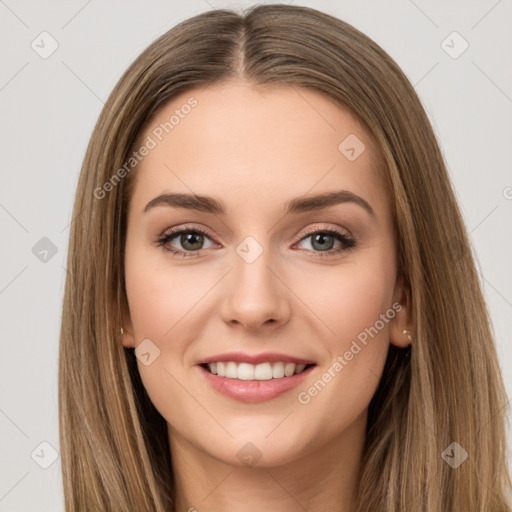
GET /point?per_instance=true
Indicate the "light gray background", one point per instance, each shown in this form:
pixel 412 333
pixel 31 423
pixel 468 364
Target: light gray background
pixel 49 107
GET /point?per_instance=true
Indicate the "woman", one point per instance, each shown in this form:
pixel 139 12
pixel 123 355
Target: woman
pixel 273 302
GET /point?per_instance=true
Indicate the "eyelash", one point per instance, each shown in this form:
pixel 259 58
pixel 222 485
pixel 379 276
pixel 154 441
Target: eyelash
pixel 348 242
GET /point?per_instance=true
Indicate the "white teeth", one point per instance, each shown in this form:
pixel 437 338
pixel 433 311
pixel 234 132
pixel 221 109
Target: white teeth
pixel 221 372
pixel 262 371
pixel 278 370
pixel 231 370
pixel 289 369
pixel 245 371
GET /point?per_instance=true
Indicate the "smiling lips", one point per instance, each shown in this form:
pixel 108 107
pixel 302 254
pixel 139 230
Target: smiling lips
pixel 254 378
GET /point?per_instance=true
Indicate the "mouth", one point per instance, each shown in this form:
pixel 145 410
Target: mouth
pixel 248 382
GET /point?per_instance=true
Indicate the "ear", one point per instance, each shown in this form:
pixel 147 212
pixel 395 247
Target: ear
pixel 402 320
pixel 128 339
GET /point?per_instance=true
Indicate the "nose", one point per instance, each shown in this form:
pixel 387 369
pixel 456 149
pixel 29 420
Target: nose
pixel 257 297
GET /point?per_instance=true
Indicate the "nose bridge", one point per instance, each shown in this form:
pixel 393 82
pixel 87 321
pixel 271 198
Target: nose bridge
pixel 257 296
pixel 252 266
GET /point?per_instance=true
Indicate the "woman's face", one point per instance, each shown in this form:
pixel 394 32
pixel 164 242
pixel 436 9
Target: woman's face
pixel 262 273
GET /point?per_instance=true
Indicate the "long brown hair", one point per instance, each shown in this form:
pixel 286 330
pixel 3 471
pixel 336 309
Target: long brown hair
pixel 114 445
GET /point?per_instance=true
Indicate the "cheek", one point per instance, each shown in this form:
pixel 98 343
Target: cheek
pixel 348 299
pixel 159 297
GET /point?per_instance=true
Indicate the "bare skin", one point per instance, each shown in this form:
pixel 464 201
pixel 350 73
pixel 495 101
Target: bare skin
pixel 255 149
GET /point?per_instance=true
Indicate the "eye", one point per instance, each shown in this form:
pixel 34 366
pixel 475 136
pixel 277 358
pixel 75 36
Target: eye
pixel 190 239
pixel 322 242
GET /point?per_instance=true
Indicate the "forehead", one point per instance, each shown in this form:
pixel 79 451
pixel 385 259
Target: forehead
pixel 243 143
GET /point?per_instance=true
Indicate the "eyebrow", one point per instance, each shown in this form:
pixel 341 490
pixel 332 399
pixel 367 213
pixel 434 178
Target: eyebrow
pixel 211 205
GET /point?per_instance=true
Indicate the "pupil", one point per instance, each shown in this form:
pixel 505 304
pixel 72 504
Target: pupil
pixel 321 238
pixel 193 239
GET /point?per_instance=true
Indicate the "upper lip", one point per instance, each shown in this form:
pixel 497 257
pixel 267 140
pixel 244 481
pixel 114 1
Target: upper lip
pixel 265 357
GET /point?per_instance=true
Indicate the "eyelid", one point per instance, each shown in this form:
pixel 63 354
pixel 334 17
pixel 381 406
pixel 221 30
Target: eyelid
pixel 184 227
pixel 328 228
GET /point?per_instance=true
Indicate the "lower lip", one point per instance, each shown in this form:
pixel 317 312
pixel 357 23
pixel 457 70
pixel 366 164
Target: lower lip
pixel 254 390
